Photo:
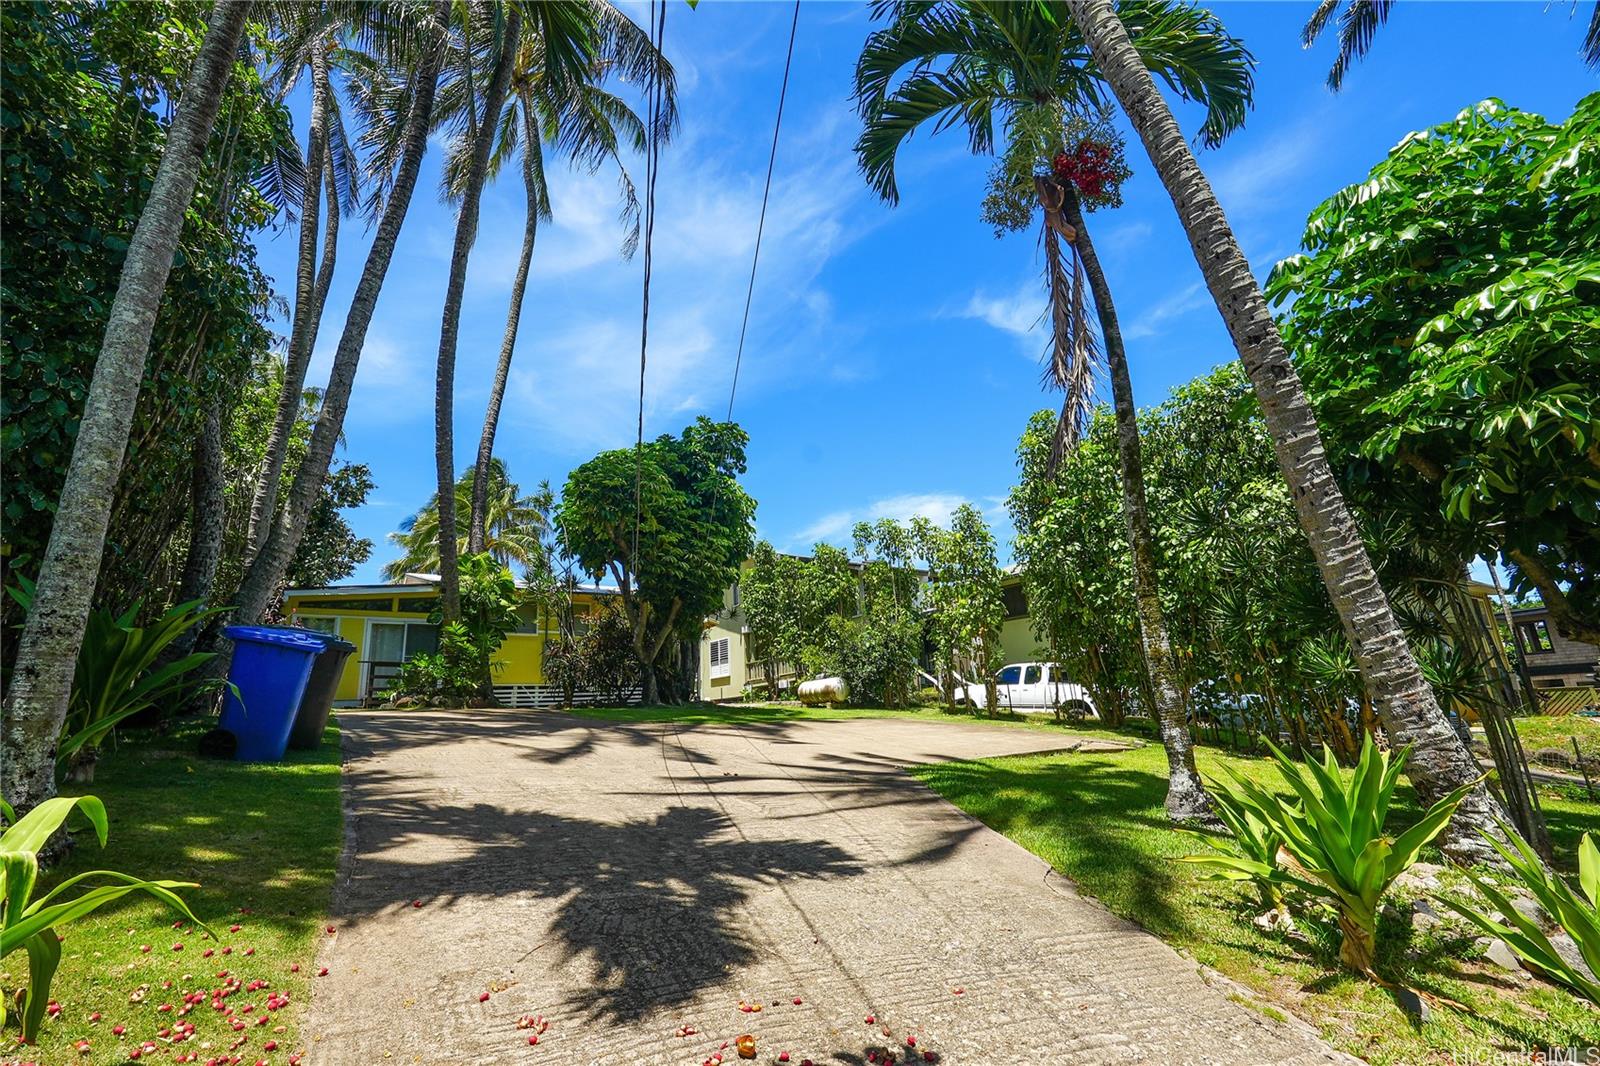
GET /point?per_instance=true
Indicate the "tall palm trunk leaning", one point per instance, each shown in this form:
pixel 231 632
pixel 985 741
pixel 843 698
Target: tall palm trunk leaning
pixel 306 306
pixel 450 326
pixel 1439 762
pixel 1186 797
pixel 267 569
pixel 41 680
pixel 508 343
pixel 208 510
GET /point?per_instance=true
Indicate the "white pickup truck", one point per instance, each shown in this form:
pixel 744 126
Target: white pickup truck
pixel 1032 687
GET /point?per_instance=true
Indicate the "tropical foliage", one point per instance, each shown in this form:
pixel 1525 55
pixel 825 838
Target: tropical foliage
pixel 514 527
pixel 1445 316
pixel 35 925
pixel 1332 828
pixel 964 604
pixel 1576 913
pixel 669 524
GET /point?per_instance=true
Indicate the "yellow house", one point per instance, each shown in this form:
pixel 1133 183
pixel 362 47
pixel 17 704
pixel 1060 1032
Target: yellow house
pixel 389 623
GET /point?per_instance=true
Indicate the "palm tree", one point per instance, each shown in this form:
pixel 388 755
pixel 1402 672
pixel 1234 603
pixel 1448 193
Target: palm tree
pixel 504 25
pixel 513 532
pixel 1360 20
pixel 41 679
pixel 1439 762
pixel 309 44
pixel 977 62
pixel 414 53
pixel 589 125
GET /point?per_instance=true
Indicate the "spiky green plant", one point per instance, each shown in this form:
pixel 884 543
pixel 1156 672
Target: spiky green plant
pixel 1333 832
pixel 1578 914
pixel 1250 854
pixel 32 924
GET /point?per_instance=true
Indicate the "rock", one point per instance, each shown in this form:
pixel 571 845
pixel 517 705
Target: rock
pixel 1274 921
pixel 1529 908
pixel 1567 948
pixel 1413 1003
pixel 1501 955
pixel 1424 917
pixel 1419 878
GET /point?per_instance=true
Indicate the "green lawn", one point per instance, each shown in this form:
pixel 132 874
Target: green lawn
pixel 262 840
pixel 1548 731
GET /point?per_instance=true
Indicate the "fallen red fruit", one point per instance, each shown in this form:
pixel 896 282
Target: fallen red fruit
pixel 144 949
pixel 331 930
pixel 322 972
pixel 270 1045
pixel 294 967
pixel 911 1041
pixel 177 947
pixel 95 1016
pixel 118 1030
pixel 783 1056
pixel 871 1019
pixel 234 928
pixel 416 903
pixel 797 1001
pixel 483 997
pixel 533 1039
pixel 930 1056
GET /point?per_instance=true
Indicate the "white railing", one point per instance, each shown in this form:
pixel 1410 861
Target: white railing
pixel 550 696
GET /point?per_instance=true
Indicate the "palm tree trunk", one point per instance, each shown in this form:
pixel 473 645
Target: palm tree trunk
pixel 1439 762
pixel 330 236
pixel 266 571
pixel 41 678
pixel 265 500
pixel 1186 799
pixel 508 343
pixel 208 506
pixel 450 326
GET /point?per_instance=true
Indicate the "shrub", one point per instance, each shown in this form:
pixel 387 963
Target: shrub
pixel 1574 913
pixel 1251 854
pixel 32 924
pixel 453 674
pixel 1333 833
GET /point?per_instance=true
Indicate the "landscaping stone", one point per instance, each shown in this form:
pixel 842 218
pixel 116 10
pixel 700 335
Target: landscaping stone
pixel 1500 953
pixel 635 883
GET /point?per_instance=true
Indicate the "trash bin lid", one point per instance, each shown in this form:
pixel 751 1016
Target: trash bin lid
pixel 333 643
pixel 306 639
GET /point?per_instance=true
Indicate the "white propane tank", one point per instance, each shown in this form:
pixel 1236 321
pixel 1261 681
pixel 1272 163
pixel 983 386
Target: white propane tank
pixel 824 690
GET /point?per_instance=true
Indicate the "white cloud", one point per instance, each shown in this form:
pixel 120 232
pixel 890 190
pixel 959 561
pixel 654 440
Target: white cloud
pixel 1153 320
pixel 835 526
pixel 1251 181
pixel 1018 313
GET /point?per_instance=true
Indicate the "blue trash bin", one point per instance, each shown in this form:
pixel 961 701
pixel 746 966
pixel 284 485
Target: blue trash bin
pixel 271 665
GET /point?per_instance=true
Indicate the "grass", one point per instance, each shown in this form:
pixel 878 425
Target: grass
pixel 1098 818
pixel 262 841
pixel 1551 731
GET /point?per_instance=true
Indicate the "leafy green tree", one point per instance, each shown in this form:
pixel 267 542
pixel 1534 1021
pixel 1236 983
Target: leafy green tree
pixel 330 550
pixel 772 601
pixel 669 523
pixel 963 598
pixel 1445 316
pixel 514 535
pixel 1441 762
pixel 41 676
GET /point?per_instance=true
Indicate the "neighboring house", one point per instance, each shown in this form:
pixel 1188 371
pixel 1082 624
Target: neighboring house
pixel 389 623
pixel 726 665
pixel 1552 660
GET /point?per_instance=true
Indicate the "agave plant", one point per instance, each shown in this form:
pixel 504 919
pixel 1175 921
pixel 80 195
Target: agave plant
pixel 1250 855
pixel 33 924
pixel 1578 914
pixel 1333 833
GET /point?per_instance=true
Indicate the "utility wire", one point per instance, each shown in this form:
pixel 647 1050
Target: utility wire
pixel 652 163
pixel 761 225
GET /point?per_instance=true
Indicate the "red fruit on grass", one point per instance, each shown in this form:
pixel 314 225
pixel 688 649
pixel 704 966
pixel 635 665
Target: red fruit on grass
pixel 118 1030
pixel 165 1008
pixel 234 928
pixel 177 947
pixel 95 1016
pixel 144 949
pixel 207 953
pixel 294 967
pixel 53 1009
pixel 270 1045
pixel 249 951
pixel 227 950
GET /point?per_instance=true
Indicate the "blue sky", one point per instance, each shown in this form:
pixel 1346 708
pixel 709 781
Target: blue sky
pixel 893 354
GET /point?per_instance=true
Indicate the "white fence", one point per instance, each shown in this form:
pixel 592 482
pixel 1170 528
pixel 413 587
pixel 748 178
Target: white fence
pixel 550 696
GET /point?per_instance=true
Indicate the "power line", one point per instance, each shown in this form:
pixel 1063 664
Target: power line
pixel 761 225
pixel 652 163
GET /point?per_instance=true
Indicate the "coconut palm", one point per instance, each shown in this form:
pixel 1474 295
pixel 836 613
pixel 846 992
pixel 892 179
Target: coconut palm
pixel 513 533
pixel 310 43
pixel 41 678
pixel 590 126
pixel 1024 68
pixel 1440 763
pixel 1360 20
pixel 400 77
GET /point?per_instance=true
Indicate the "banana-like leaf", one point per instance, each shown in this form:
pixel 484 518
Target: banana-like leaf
pixel 20 869
pixel 44 955
pixel 39 825
pixel 1589 869
pixel 46 919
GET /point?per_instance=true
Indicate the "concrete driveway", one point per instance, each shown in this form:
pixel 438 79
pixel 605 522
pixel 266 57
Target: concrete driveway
pixel 632 883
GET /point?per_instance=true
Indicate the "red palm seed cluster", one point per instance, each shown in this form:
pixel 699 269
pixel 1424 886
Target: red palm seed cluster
pixel 1090 167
